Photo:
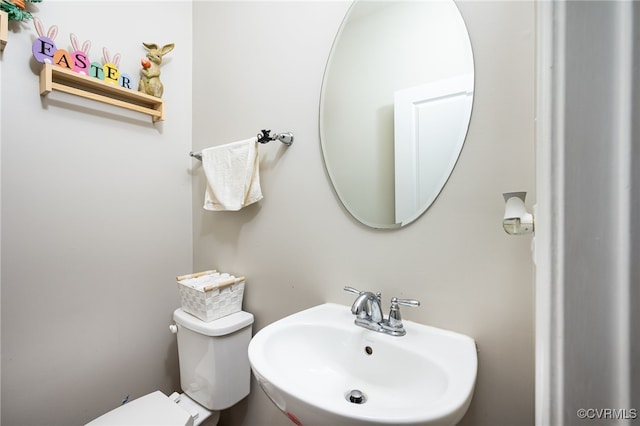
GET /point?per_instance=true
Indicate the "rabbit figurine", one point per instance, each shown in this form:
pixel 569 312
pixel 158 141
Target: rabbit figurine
pixel 150 74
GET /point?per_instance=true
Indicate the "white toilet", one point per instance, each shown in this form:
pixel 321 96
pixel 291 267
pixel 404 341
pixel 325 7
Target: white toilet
pixel 214 375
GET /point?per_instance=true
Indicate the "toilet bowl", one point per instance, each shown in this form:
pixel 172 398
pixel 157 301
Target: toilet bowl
pixel 214 375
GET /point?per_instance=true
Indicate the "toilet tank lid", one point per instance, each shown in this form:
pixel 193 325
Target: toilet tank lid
pixel 220 327
pixel 152 409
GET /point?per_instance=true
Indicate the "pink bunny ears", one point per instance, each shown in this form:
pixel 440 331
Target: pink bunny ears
pixel 86 46
pixel 108 59
pixel 51 34
pixel 45 51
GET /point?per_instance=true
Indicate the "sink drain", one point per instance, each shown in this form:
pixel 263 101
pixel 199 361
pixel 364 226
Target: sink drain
pixel 356 397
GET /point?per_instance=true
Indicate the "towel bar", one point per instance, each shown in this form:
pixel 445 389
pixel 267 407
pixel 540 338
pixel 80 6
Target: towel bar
pixel 263 137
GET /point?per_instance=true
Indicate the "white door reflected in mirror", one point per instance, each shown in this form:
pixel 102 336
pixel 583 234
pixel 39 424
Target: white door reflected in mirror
pixel 430 123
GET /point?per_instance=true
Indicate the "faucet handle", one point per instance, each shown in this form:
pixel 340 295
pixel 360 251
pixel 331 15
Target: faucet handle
pixel 352 290
pixel 395 319
pixel 405 302
pixel 358 292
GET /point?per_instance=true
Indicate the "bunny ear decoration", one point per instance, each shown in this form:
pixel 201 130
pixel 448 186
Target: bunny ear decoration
pixel 39 28
pixel 167 48
pixel 74 41
pixel 86 47
pixel 105 55
pixel 150 46
pixel 53 32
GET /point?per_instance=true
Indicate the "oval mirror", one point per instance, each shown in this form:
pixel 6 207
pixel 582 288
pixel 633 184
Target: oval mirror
pixel 395 107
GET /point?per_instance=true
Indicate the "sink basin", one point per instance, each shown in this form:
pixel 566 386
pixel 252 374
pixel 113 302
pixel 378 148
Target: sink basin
pixel 319 368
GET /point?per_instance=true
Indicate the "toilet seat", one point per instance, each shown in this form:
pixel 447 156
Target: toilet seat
pixel 154 409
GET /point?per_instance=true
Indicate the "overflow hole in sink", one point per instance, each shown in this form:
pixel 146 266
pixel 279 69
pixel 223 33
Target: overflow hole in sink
pixel 368 350
pixel 356 397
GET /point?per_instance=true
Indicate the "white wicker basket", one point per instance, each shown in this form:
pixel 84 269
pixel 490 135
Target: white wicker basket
pixel 214 302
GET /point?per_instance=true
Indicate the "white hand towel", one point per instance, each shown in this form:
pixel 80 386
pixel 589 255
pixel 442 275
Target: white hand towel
pixel 233 175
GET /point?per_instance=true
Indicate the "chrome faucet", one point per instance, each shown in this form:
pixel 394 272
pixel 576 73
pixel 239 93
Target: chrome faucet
pixel 367 307
pixel 368 312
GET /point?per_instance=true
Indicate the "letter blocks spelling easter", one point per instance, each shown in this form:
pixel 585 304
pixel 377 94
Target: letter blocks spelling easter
pixel 73 71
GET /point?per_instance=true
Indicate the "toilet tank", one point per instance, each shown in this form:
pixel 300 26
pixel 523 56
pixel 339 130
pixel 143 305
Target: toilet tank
pixel 214 364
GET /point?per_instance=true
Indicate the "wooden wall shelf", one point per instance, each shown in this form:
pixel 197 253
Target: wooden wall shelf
pixel 4 25
pixel 61 79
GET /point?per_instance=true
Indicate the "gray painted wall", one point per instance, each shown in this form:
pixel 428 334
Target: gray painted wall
pixel 96 221
pixel 262 67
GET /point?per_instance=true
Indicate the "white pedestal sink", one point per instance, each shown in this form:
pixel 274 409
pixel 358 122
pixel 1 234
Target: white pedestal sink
pixel 310 363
